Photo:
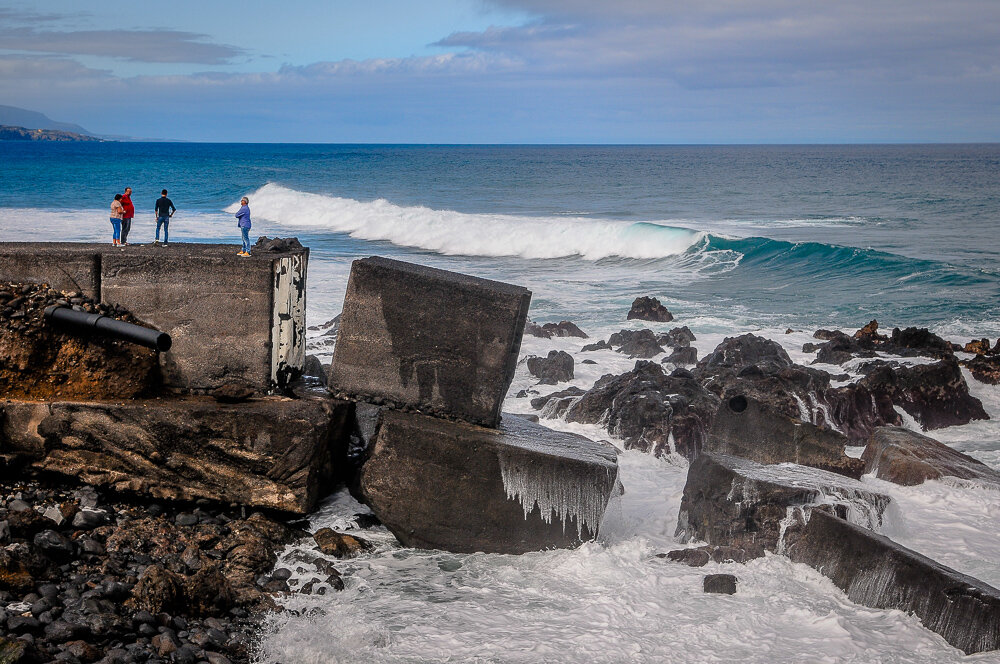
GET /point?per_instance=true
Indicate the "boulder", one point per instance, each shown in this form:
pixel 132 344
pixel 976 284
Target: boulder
pixel 734 502
pixel 564 328
pixel 556 368
pixel 906 457
pixel 340 545
pixel 724 584
pixel 440 484
pixel 874 571
pixel 441 342
pixel 272 452
pixel 870 333
pixel 557 403
pixel 747 428
pixel 650 410
pixel 984 369
pixel 678 337
pixel 600 345
pixel 649 308
pixel 683 355
pixel 919 341
pixel 636 343
pixel 745 350
pixel 534 329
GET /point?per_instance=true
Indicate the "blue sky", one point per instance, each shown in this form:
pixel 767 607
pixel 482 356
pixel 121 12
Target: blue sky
pixel 511 71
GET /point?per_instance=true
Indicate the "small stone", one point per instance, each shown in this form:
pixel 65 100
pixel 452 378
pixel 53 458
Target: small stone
pixel 55 546
pixel 186 519
pixel 282 573
pixel 340 545
pixel 720 583
pixel 88 519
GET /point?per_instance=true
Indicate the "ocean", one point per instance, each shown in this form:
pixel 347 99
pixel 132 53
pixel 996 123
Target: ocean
pixel 732 239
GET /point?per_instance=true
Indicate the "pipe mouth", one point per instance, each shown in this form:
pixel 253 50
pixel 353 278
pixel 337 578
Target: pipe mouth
pixel 163 342
pixel 738 403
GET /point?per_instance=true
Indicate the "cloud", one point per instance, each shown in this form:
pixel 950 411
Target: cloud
pixel 154 46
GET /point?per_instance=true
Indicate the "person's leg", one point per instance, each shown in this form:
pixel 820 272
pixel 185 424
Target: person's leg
pixel 159 222
pixel 116 225
pixel 126 227
pixel 245 232
pixel 166 230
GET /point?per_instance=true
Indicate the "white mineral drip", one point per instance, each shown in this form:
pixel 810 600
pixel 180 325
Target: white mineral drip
pixel 794 515
pixel 583 496
pixel 827 418
pixel 863 508
pixel 804 414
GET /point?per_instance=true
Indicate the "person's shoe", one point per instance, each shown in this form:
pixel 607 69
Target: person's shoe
pixel 155 242
pixel 240 253
pixel 245 254
pixel 164 245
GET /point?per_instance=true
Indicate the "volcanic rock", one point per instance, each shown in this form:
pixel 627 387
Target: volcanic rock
pixel 636 343
pixel 557 403
pixel 564 328
pixel 907 457
pixel 649 308
pixel 745 350
pixel 684 355
pixel 724 584
pixel 556 368
pixel 984 369
pixel 340 545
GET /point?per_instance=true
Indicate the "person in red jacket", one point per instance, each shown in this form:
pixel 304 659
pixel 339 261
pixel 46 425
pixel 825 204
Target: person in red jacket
pixel 128 214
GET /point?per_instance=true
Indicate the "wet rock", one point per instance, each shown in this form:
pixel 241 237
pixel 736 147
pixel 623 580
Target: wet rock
pixel 649 308
pixel 636 343
pixel 556 368
pixel 278 244
pixel 158 590
pixel 650 410
pixel 734 502
pixel 906 457
pixel 745 350
pixel 984 369
pixel 557 403
pixel 564 328
pixel 600 345
pixel 919 341
pixel 686 355
pixel 340 545
pixel 314 367
pixel 533 329
pixel 702 555
pixel 208 592
pixel 877 572
pixel 720 583
pixel 679 337
pixel 870 333
pixel 979 346
pixel 747 428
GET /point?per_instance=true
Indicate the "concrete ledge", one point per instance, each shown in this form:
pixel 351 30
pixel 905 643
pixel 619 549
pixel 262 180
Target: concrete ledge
pixel 447 485
pixel 270 452
pixel 875 571
pixel 442 342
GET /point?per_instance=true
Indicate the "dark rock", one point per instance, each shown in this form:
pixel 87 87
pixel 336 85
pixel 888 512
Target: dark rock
pixel 186 519
pixel 588 361
pixel 278 244
pixel 600 345
pixel 232 393
pixel 557 403
pixel 314 367
pixel 745 350
pixel 683 355
pixel 61 631
pixel 875 571
pixel 20 624
pixel 208 592
pixel 564 328
pixel 919 341
pixel 649 308
pixel 88 519
pixel 984 369
pixel 841 349
pixel 650 410
pixel 826 334
pixel 482 480
pixel 339 545
pixel 749 429
pixel 158 590
pixel 700 556
pixel 439 341
pixel 681 336
pixel 55 546
pixel 534 329
pixel 810 347
pixel 870 333
pixel 365 521
pixel 730 501
pixel 556 368
pixel 906 457
pixel 636 343
pixel 724 584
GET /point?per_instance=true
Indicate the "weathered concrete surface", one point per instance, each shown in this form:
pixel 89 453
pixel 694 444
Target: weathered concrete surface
pixel 269 452
pixel 875 571
pixel 906 457
pixel 442 342
pixel 734 502
pixel 448 485
pixel 747 428
pixel 232 319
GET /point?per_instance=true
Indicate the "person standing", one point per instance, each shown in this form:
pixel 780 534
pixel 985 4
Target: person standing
pixel 116 220
pixel 164 210
pixel 128 214
pixel 243 222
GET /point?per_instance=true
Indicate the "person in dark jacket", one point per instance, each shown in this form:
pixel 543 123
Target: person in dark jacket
pixel 127 214
pixel 243 223
pixel 164 210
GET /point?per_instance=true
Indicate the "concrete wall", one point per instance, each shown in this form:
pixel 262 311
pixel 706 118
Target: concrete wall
pixel 232 319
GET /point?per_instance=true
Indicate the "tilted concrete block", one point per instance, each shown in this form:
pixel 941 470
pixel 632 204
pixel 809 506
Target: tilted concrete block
pixel 442 342
pixel 439 484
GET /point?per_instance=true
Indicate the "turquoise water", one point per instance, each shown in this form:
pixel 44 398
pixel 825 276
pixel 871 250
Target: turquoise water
pixel 727 236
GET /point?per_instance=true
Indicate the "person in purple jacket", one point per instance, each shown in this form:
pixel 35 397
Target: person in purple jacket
pixel 243 222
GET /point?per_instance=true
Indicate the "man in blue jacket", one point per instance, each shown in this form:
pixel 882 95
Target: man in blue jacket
pixel 243 221
pixel 164 209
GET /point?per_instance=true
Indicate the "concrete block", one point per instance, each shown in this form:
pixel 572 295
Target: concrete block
pixel 71 266
pixel 439 484
pixel 747 428
pixel 729 501
pixel 441 342
pixel 906 457
pixel 270 452
pixel 877 572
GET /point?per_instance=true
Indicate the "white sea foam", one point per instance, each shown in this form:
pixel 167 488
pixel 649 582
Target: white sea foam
pixel 460 234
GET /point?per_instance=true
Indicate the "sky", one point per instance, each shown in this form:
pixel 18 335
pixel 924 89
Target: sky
pixel 510 71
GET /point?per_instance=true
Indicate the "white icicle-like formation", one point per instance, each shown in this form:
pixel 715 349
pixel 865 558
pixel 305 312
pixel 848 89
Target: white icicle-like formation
pixel 566 494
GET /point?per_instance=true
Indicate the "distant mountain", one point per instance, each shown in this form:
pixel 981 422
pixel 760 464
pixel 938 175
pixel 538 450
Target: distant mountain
pixel 8 133
pixel 13 116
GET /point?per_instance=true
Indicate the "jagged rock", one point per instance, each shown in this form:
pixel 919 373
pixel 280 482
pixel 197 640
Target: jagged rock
pixel 906 457
pixel 650 410
pixel 747 428
pixel 984 369
pixel 875 571
pixel 649 308
pixel 919 341
pixel 564 328
pixel 702 555
pixel 441 342
pixel 278 244
pixel 724 584
pixel 743 351
pixel 208 592
pixel 684 355
pixel 979 346
pixel 232 393
pixel 556 368
pixel 826 335
pixel 272 452
pixel 870 332
pixel 54 545
pixel 840 349
pixel 811 347
pixel 314 367
pixel 455 486
pixel 340 545
pixel 734 502
pixel 557 403
pixel 636 343
pixel 534 329
pixel 158 590
pixel 600 345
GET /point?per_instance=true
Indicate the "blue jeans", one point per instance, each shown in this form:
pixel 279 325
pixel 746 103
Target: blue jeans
pixel 246 239
pixel 116 225
pixel 165 222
